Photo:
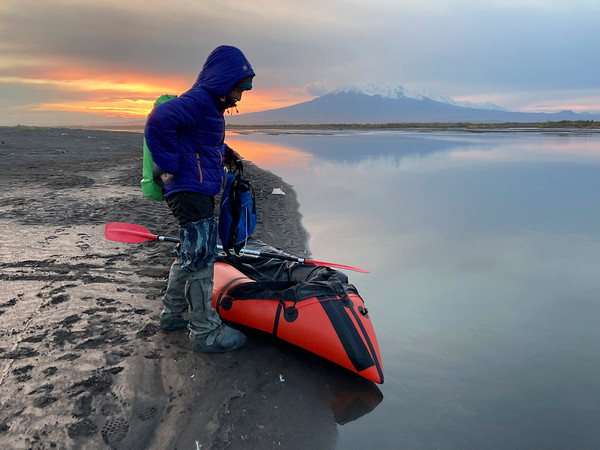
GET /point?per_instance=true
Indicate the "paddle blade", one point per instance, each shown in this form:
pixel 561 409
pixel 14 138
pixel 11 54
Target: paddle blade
pixel 336 266
pixel 127 232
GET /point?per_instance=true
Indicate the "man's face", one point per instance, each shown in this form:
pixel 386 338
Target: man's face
pixel 236 93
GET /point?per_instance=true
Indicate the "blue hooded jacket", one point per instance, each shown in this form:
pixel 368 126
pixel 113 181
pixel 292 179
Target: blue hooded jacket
pixel 186 134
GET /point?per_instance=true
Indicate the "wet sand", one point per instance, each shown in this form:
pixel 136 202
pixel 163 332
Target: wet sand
pixel 83 362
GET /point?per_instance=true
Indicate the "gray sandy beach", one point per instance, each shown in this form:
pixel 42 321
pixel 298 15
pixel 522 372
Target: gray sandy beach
pixel 84 363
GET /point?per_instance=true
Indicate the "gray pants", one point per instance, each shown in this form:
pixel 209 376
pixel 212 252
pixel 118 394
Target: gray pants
pixel 188 298
pixel 189 291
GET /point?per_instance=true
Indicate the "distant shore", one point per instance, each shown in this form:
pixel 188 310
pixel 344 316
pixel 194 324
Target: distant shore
pixel 563 125
pixel 567 125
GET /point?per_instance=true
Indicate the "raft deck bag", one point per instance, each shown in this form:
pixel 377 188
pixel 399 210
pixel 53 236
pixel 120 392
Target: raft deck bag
pixel 152 185
pixel 237 216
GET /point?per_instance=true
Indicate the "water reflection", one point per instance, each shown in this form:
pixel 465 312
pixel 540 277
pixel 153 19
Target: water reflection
pixel 270 154
pixel 393 146
pixel 350 148
pixel 483 292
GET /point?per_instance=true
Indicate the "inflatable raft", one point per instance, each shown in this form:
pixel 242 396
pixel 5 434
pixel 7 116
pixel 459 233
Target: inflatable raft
pixel 312 307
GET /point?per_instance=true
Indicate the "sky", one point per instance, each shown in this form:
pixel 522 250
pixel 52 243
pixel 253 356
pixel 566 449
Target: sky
pixel 69 62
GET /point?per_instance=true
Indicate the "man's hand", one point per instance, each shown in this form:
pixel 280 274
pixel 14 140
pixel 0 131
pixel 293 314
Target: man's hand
pixel 231 158
pixel 166 177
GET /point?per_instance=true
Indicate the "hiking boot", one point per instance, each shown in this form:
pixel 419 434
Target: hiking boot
pixel 222 340
pixel 172 321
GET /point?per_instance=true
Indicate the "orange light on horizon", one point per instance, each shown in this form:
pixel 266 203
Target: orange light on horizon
pixel 585 107
pixel 265 99
pixel 89 85
pixel 122 107
pixel 114 95
pixel 97 96
pixel 576 103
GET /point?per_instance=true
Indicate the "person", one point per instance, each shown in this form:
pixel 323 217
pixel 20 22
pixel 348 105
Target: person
pixel 185 136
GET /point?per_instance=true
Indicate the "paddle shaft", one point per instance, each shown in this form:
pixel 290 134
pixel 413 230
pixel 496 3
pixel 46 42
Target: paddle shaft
pixel 244 251
pixel 127 232
pixel 157 237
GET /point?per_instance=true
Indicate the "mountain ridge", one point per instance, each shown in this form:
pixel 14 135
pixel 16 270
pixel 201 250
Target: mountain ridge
pixel 368 105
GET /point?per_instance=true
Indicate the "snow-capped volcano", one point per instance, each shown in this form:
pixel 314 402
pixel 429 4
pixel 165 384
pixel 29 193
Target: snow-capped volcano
pixel 397 92
pixel 385 105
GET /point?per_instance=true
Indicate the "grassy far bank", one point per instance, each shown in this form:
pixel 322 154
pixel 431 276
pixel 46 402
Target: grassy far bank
pixel 532 126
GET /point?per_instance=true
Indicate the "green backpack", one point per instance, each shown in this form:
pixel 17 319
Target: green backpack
pixel 149 187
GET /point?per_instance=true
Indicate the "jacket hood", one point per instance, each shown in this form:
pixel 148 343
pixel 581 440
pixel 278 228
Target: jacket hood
pixel 223 69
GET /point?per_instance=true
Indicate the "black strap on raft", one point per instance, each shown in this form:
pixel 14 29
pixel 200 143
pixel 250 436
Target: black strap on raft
pixel 359 352
pixel 337 309
pixel 225 301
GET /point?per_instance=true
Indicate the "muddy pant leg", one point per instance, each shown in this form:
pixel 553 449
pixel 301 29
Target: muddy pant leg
pixel 198 253
pixel 203 318
pixel 174 301
pixel 207 333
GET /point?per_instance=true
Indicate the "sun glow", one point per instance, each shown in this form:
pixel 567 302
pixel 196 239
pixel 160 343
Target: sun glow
pixel 84 85
pixel 97 96
pixel 115 108
pixel 263 99
pixel 129 95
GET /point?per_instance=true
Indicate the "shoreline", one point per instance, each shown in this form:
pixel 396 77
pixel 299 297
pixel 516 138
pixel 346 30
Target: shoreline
pixel 564 126
pixel 83 361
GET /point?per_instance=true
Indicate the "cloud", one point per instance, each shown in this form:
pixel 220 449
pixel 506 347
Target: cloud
pixel 460 48
pixel 320 87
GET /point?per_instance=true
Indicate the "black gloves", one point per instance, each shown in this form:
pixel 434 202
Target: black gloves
pixel 156 173
pixel 233 160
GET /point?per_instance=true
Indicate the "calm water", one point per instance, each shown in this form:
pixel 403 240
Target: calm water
pixel 485 284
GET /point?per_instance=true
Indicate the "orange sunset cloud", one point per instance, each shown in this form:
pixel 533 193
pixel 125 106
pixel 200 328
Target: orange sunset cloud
pixel 129 95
